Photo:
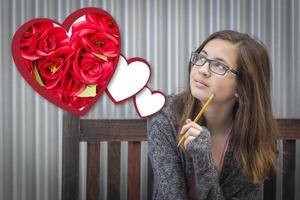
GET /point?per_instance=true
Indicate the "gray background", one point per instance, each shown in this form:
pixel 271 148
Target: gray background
pixel 162 32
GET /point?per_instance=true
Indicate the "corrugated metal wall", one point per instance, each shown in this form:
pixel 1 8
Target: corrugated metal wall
pixel 162 32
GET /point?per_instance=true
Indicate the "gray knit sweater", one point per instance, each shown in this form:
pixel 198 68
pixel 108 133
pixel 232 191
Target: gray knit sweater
pixel 173 168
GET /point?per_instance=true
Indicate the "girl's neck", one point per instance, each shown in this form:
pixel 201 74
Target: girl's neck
pixel 218 119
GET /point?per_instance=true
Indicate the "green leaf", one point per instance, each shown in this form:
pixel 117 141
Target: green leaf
pixel 89 91
pixel 102 57
pixel 37 77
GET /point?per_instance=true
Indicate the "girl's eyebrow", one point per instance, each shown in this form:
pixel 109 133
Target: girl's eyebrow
pixel 219 59
pixel 204 52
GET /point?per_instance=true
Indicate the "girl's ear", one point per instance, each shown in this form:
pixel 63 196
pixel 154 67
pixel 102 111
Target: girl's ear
pixel 236 95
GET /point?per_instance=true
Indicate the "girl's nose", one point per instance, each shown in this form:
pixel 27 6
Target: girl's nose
pixel 204 69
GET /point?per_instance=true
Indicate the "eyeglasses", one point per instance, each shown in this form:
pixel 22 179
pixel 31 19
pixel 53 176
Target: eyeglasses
pixel 214 66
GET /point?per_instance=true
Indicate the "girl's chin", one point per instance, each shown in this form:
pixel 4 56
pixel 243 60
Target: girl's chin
pixel 200 95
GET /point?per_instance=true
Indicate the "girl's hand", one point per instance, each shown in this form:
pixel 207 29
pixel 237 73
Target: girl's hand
pixel 191 131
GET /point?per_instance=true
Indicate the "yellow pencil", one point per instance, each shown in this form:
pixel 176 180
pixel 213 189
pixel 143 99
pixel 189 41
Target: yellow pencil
pixel 199 115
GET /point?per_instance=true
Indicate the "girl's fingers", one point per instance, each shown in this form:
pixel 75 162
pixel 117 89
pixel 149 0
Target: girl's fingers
pixel 188 120
pixel 189 125
pixel 188 140
pixel 192 132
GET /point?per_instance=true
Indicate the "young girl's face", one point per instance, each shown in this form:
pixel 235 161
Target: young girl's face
pixel 224 86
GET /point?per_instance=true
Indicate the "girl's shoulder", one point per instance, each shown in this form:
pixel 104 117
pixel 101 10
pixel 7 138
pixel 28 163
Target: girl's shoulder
pixel 165 116
pixel 167 108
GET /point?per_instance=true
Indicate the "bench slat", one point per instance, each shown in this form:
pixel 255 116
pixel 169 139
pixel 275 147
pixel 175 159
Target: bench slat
pixel 136 129
pixel 150 179
pixel 93 171
pixel 270 188
pixel 113 162
pixel 113 130
pixel 289 128
pixel 134 163
pixel 70 162
pixel 288 181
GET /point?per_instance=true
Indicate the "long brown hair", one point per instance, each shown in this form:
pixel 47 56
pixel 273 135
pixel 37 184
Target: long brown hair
pixel 255 131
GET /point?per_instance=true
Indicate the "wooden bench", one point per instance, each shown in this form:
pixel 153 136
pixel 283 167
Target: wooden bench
pixel 134 131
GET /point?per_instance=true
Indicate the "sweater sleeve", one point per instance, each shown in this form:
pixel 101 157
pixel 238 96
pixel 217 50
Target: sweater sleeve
pixel 208 186
pixel 169 178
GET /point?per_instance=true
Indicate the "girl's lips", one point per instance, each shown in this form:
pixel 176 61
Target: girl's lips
pixel 200 84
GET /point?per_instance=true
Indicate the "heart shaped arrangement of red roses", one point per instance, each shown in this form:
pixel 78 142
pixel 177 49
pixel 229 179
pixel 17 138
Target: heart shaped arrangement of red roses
pixel 69 64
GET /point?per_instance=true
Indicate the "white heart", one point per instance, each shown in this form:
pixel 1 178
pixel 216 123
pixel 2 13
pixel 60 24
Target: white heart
pixel 128 79
pixel 148 103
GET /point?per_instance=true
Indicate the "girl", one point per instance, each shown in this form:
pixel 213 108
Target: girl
pixel 233 150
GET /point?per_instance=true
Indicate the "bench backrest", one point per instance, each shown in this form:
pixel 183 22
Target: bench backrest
pixel 134 131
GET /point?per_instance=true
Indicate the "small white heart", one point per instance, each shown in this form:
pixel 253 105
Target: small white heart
pixel 148 103
pixel 128 79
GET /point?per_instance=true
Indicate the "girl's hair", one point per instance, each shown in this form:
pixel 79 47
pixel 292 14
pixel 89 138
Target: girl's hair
pixel 255 131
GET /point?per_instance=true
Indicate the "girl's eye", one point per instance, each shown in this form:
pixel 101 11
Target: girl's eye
pixel 220 66
pixel 202 58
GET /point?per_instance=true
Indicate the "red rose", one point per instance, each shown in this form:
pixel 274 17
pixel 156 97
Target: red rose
pixel 57 91
pixel 35 30
pixel 91 69
pixel 29 66
pixel 53 67
pixel 106 23
pixel 91 37
pixel 72 88
pixel 79 102
pixel 72 85
pixel 42 39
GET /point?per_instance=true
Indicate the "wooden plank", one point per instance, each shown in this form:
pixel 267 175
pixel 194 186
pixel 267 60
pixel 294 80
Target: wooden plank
pixel 270 188
pixel 289 165
pixel 136 129
pixel 150 180
pixel 113 130
pixel 93 171
pixel 289 128
pixel 134 162
pixel 70 157
pixel 113 174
